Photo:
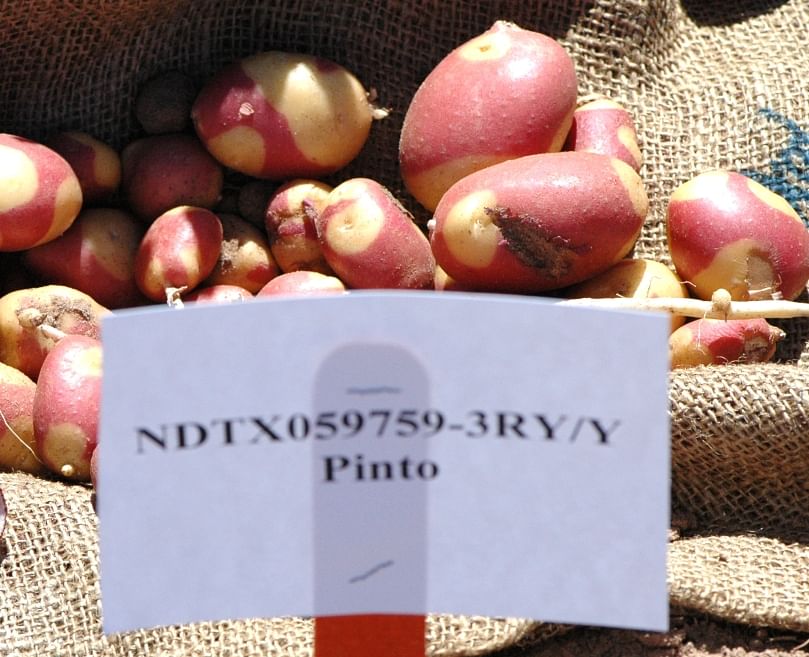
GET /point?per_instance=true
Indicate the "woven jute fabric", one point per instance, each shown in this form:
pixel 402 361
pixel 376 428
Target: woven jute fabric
pixel 716 84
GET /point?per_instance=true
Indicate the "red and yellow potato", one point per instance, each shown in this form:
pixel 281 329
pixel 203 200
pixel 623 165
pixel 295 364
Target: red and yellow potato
pixel 302 283
pixel 40 195
pixel 95 255
pixel 96 164
pixel 370 241
pixel 634 278
pixel 162 172
pixel 22 344
pixel 728 231
pixel 17 423
pixel 506 93
pixel 290 224
pixel 604 126
pixel 278 115
pixel 720 341
pixel 538 223
pixel 245 259
pixel 67 405
pixel 179 250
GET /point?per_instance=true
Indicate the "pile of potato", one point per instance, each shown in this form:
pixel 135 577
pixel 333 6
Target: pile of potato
pixel 532 190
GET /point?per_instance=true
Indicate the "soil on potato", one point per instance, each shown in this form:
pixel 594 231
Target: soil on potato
pixel 689 636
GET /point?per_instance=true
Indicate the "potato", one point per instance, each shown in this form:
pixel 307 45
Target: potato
pixel 40 195
pixel 538 223
pixel 67 405
pixel 22 344
pixel 178 251
pixel 290 224
pixel 95 255
pixel 635 278
pixel 506 93
pixel 302 283
pixel 727 231
pixel 245 259
pixel 606 127
pixel 278 115
pixel 252 201
pixel 96 164
pixel 370 241
pixel 163 103
pixel 162 172
pixel 218 294
pixel 16 422
pixel 720 341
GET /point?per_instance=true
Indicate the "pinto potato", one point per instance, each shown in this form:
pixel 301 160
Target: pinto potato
pixel 538 223
pixel 370 240
pixel 96 164
pixel 604 126
pixel 506 93
pixel 40 194
pixel 725 230
pixel 278 115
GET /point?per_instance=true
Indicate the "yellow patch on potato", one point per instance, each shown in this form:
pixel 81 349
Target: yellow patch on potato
pixel 704 186
pixel 737 268
pixel 18 178
pixel 241 147
pixel 633 184
pixel 431 184
pixel 65 446
pixel 469 231
pixel 88 361
pixel 67 207
pixel 628 139
pixel 772 199
pixel 355 226
pixel 294 83
pixel 491 45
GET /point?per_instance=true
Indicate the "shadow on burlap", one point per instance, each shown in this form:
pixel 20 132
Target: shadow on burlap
pixel 711 85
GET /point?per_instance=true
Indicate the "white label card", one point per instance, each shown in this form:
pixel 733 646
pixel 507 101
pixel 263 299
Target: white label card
pixel 384 452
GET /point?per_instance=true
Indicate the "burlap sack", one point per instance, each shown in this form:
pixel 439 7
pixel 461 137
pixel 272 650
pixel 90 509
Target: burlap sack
pixel 710 84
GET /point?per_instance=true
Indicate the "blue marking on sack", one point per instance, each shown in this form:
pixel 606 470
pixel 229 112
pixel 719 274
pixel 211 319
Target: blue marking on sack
pixel 788 173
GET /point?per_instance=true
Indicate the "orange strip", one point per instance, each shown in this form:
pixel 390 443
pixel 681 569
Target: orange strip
pixel 370 635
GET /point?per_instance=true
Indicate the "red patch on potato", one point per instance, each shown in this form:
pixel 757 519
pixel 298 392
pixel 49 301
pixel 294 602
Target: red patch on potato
pixel 727 231
pixel 506 93
pixel 40 195
pixel 179 250
pixel 538 223
pixel 302 283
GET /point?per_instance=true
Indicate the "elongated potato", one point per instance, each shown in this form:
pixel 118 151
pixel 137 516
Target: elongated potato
pixel 538 223
pixel 506 93
pixel 67 405
pixel 370 240
pixel 719 342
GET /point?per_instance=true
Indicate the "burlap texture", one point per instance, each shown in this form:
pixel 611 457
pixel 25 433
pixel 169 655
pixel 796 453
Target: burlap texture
pixel 710 84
